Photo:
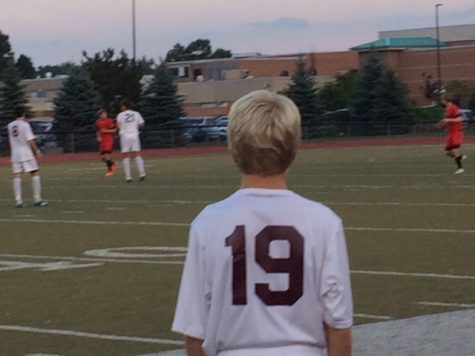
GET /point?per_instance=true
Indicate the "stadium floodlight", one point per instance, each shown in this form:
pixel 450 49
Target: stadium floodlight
pixel 439 70
pixel 134 37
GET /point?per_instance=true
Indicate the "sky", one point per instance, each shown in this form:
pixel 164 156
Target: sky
pixel 56 31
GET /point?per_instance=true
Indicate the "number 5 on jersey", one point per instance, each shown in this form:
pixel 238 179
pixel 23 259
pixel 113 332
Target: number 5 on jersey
pixel 293 265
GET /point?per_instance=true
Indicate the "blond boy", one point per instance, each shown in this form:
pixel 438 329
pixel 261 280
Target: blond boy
pixel 267 270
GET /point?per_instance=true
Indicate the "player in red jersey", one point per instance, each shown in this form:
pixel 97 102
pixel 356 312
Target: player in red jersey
pixel 106 128
pixel 453 120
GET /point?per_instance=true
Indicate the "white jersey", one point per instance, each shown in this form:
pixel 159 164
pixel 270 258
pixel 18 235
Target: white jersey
pixel 265 269
pixel 129 122
pixel 19 133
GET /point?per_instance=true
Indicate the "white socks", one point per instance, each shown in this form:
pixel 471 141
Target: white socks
pixel 36 186
pixel 126 162
pixel 140 165
pixel 17 190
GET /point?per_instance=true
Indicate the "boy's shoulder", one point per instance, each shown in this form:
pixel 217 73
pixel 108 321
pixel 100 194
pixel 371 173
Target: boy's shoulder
pixel 235 204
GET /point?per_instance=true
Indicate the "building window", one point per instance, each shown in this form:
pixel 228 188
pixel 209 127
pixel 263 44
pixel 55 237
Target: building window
pixel 41 94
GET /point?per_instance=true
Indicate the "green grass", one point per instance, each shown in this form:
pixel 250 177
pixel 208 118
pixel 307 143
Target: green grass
pixel 386 188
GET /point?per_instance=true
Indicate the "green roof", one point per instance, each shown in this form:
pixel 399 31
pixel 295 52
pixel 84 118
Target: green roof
pixel 399 43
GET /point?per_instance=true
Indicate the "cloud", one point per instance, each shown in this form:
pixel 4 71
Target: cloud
pixel 279 24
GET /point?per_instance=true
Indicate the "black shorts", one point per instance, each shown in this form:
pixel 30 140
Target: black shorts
pixel 451 147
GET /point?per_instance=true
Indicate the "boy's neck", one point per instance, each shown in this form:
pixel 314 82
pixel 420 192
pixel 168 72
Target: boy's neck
pixel 272 182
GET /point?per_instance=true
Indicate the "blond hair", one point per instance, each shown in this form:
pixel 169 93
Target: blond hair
pixel 264 133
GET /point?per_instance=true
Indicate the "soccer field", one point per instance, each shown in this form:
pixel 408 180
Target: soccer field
pixel 97 272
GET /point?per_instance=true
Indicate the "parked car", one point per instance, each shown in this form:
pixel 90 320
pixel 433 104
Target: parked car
pixel 44 132
pixel 468 118
pixel 201 129
pixel 222 123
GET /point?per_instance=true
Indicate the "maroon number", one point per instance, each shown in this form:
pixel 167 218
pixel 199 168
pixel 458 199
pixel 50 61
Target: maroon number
pixel 237 240
pixel 292 265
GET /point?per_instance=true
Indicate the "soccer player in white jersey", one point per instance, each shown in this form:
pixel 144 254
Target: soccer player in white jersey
pixel 267 270
pixel 23 150
pixel 129 122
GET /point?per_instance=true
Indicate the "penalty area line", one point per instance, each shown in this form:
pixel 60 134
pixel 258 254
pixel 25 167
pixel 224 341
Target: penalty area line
pixel 134 339
pixel 440 304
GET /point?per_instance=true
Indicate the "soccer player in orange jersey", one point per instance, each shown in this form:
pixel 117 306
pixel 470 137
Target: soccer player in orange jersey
pixel 106 128
pixel 454 121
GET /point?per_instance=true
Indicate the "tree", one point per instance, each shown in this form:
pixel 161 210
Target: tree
pixel 461 89
pixel 221 53
pixel 160 102
pixel 65 68
pixel 11 93
pixel 198 49
pixel 391 104
pixel 5 53
pixel 77 103
pixel 363 106
pixel 25 66
pixel 176 54
pixel 303 91
pixel 380 98
pixel 115 78
pixel 338 94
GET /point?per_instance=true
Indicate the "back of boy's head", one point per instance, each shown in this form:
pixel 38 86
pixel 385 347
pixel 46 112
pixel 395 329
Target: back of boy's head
pixel 20 111
pixel 125 103
pixel 264 133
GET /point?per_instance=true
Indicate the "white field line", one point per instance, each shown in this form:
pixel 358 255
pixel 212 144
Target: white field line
pixel 410 229
pixel 185 202
pixel 140 261
pixel 307 186
pixel 176 224
pixel 95 222
pixel 410 274
pixel 370 316
pixel 134 339
pixel 73 212
pixel 440 304
pixel 92 259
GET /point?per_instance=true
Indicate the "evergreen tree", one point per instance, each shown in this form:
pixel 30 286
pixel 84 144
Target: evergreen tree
pixel 11 93
pixel 364 112
pixel 25 66
pixel 5 53
pixel 304 93
pixel 380 98
pixel 338 94
pixel 77 103
pixel 160 102
pixel 391 105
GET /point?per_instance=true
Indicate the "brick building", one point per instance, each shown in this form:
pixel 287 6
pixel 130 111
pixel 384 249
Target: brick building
pixel 209 87
pixel 412 55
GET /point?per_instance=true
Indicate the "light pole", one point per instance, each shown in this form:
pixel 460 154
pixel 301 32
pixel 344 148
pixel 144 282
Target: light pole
pixel 134 37
pixel 439 71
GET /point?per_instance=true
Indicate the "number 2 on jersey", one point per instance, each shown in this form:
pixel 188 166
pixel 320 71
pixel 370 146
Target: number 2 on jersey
pixel 292 265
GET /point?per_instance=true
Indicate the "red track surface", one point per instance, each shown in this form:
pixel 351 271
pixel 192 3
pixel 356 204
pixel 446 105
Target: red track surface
pixel 183 151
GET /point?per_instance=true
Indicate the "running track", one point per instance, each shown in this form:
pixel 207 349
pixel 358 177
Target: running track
pixel 183 151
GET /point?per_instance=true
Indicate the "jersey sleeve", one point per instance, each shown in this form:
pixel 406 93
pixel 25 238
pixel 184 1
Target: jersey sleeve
pixel 336 286
pixel 140 119
pixel 191 310
pixel 29 133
